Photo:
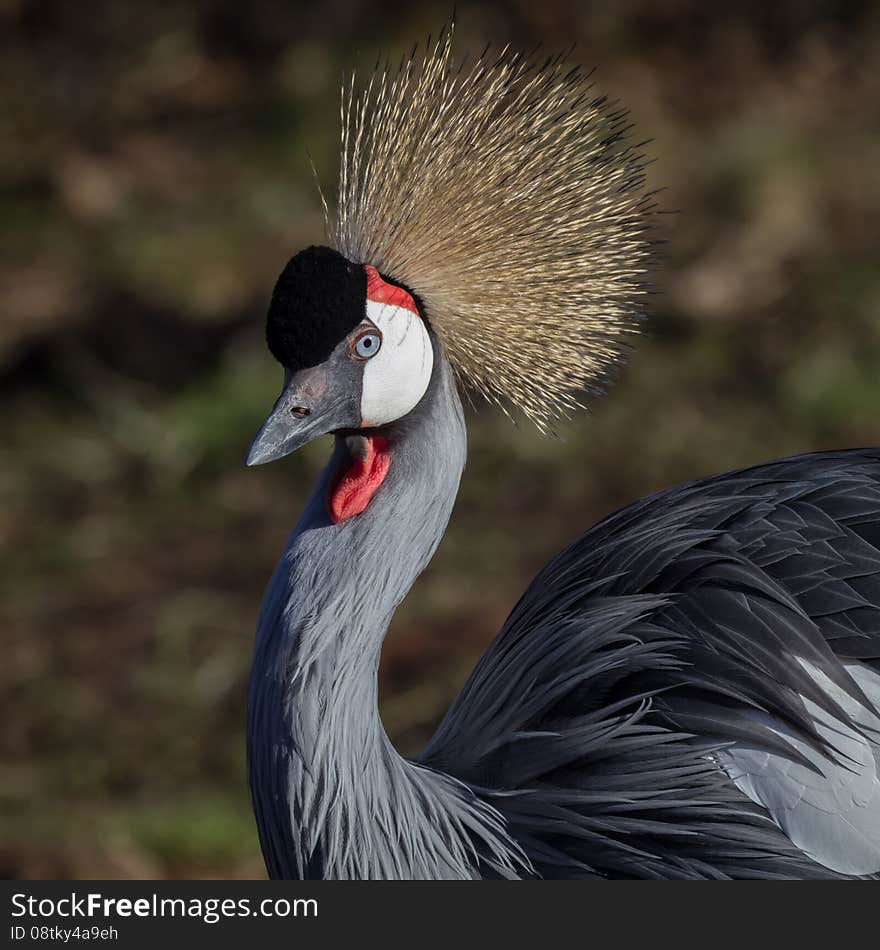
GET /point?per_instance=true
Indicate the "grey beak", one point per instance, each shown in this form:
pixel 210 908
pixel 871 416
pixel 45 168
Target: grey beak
pixel 283 432
pixel 300 414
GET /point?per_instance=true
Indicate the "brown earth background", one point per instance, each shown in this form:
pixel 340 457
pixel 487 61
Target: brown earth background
pixel 153 182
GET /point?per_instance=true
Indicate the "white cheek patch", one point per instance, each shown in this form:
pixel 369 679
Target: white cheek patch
pixel 396 378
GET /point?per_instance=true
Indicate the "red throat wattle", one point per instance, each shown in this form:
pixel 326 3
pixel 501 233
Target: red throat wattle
pixel 354 485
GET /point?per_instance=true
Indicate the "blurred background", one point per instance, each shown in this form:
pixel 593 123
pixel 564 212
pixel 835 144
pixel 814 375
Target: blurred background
pixel 154 181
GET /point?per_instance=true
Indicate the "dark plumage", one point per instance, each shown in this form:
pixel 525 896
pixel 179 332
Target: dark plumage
pixel 318 299
pixel 673 628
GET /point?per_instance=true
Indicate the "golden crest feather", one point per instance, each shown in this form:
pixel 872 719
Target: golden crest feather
pixel 507 197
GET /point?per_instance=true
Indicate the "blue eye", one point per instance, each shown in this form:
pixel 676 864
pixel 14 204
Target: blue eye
pixel 367 345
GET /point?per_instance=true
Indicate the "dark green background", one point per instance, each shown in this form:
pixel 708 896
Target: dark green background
pixel 153 182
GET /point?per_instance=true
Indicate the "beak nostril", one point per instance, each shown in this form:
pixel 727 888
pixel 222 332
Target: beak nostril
pixel 300 411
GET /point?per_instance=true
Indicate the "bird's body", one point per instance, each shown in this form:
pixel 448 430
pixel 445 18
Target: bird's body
pixel 716 631
pixel 690 690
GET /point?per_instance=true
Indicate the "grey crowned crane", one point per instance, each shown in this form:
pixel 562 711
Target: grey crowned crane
pixel 692 688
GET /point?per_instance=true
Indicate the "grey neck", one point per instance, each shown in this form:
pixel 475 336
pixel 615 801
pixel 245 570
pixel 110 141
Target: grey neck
pixel 330 793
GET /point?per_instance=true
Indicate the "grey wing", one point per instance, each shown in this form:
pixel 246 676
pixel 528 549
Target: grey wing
pixel 701 668
pixel 828 803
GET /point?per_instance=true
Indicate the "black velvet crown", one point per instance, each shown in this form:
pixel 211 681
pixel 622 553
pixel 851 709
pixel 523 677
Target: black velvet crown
pixel 319 299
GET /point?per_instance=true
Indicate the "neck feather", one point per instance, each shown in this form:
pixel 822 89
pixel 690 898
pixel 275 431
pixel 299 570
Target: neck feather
pixel 332 797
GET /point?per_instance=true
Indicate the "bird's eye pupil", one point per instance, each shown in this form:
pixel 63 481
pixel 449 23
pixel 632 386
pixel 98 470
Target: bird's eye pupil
pixel 368 345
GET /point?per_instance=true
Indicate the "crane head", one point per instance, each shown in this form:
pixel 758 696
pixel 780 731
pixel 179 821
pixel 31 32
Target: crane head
pixel 507 194
pixel 356 353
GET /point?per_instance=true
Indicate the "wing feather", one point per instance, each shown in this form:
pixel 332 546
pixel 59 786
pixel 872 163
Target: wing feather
pixel 692 689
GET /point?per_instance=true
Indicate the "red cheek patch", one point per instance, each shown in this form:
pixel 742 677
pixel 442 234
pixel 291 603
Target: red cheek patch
pixel 380 291
pixel 354 485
